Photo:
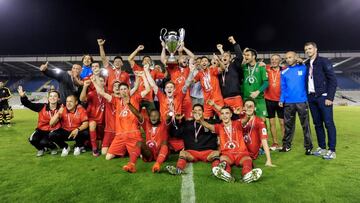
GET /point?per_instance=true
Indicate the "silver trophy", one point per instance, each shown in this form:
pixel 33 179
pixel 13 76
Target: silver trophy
pixel 173 41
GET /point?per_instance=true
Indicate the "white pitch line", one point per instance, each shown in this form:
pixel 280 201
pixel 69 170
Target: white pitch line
pixel 187 186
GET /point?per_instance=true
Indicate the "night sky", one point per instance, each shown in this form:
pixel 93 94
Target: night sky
pixel 32 27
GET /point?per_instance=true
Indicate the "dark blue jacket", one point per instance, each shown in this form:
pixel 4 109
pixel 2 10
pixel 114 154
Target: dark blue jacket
pixel 324 77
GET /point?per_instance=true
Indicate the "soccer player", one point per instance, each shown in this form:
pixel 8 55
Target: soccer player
pixel 74 126
pixel 40 137
pixel 210 86
pixel 272 97
pixel 255 133
pixel 321 88
pixel 110 111
pixel 232 147
pixel 69 81
pixel 232 76
pixel 255 81
pixel 170 105
pixel 196 93
pixel 148 101
pixel 5 110
pixel 179 72
pixel 293 99
pixel 155 147
pixel 200 142
pixel 128 137
pixel 95 110
pixel 115 71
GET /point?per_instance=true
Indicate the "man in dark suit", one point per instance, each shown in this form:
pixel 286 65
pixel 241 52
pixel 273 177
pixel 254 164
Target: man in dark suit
pixel 321 88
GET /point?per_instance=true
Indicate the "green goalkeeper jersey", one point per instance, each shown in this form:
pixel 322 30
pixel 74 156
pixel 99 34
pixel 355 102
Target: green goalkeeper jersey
pixel 254 78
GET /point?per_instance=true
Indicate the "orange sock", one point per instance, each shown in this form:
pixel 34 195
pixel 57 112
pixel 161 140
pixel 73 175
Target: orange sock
pixel 181 163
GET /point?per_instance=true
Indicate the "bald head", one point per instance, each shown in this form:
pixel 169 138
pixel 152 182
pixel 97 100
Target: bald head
pixel 291 57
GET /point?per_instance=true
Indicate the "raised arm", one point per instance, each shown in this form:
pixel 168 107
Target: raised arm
pixel 220 48
pixel 131 58
pixel 151 81
pixel 83 95
pixel 188 52
pixel 136 85
pixel 163 57
pixel 146 83
pixel 28 104
pixel 212 103
pixel 190 78
pixel 100 90
pixel 103 57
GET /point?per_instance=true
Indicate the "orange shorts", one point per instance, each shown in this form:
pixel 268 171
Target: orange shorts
pixel 125 142
pixel 176 144
pixel 235 156
pixel 200 155
pixel 234 102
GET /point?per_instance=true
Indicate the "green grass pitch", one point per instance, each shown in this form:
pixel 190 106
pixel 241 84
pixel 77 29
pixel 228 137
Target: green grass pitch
pixel 297 178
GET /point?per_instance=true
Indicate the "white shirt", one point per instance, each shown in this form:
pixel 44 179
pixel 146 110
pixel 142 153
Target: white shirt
pixel 311 86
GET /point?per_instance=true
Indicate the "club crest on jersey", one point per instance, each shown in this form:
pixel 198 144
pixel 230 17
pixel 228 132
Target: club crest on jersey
pixel 151 144
pixel 231 145
pixel 300 72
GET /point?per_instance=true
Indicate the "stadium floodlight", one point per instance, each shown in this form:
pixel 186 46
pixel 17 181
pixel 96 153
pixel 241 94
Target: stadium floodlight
pixel 57 70
pixel 104 72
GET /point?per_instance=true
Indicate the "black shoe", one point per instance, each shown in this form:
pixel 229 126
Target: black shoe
pixel 308 152
pixel 285 149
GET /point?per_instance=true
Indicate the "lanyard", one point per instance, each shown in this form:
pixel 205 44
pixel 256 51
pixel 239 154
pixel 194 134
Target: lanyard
pixel 196 131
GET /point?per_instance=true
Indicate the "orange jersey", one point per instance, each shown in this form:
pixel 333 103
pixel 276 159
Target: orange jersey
pixel 155 135
pixel 231 138
pixel 254 132
pixel 155 74
pixel 210 83
pixel 178 76
pixel 96 107
pixel 116 75
pixel 72 120
pixel 169 105
pixel 125 120
pixel 273 91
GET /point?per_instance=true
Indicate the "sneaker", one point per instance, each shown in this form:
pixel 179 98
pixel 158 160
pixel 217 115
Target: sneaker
pixel 40 153
pixel 329 155
pixel 274 147
pixel 130 167
pixel 253 175
pixel 65 151
pixel 96 153
pixel 222 165
pixel 53 152
pixel 308 152
pixel 319 152
pixel 174 170
pixel 77 151
pixel 285 149
pixel 82 149
pixel 222 174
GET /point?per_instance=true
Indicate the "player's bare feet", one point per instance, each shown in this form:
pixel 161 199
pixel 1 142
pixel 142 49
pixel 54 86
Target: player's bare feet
pixel 130 167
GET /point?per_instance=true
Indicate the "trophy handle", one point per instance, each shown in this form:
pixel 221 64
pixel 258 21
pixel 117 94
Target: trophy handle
pixel 163 32
pixel 181 34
